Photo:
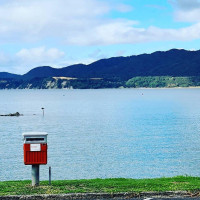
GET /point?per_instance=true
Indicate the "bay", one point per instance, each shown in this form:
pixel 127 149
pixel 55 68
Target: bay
pixel 106 133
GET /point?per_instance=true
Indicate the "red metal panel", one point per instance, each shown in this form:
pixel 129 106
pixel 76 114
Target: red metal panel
pixel 35 157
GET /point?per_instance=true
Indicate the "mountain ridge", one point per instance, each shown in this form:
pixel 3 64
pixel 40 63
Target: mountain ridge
pixel 159 63
pixel 172 63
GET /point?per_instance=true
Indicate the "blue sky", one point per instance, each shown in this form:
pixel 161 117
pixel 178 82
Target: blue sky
pixel 64 32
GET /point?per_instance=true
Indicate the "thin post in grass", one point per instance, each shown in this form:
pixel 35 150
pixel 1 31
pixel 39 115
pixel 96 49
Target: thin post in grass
pixel 49 175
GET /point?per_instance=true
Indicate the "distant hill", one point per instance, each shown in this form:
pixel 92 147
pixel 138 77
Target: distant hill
pixel 40 72
pixel 6 75
pixel 170 63
pixel 115 72
pixel 47 71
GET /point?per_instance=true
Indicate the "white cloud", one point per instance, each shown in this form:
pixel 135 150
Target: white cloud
pixel 188 16
pixel 35 19
pixel 186 10
pixel 86 22
pixel 183 34
pixel 126 34
pixel 26 59
pixel 186 4
pixel 39 55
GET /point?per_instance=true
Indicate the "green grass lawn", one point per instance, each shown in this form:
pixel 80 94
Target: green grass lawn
pixel 115 185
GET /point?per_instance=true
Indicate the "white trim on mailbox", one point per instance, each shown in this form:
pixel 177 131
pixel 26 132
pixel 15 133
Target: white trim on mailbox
pixel 34 133
pixel 35 137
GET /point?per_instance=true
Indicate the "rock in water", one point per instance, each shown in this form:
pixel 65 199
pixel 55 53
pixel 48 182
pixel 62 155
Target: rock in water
pixel 17 114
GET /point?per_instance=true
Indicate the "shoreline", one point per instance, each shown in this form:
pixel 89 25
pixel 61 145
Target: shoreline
pixel 120 88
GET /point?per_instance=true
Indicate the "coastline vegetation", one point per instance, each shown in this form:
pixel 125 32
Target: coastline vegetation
pixel 163 81
pixel 98 83
pixel 114 185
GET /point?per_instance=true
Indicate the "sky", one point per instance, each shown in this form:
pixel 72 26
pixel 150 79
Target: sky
pixel 60 33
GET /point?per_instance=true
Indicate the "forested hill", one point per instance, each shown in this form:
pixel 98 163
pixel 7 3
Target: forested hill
pixel 172 63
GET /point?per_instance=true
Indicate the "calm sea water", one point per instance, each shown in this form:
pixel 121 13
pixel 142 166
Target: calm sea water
pixel 131 133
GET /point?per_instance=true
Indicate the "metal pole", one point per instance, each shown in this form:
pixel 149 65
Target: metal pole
pixel 43 111
pixel 49 175
pixel 35 175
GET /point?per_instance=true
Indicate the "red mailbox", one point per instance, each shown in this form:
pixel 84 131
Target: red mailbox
pixel 35 148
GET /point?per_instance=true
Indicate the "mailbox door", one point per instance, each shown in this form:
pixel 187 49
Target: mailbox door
pixel 35 154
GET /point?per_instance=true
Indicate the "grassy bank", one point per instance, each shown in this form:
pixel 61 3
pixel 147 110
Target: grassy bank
pixel 180 183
